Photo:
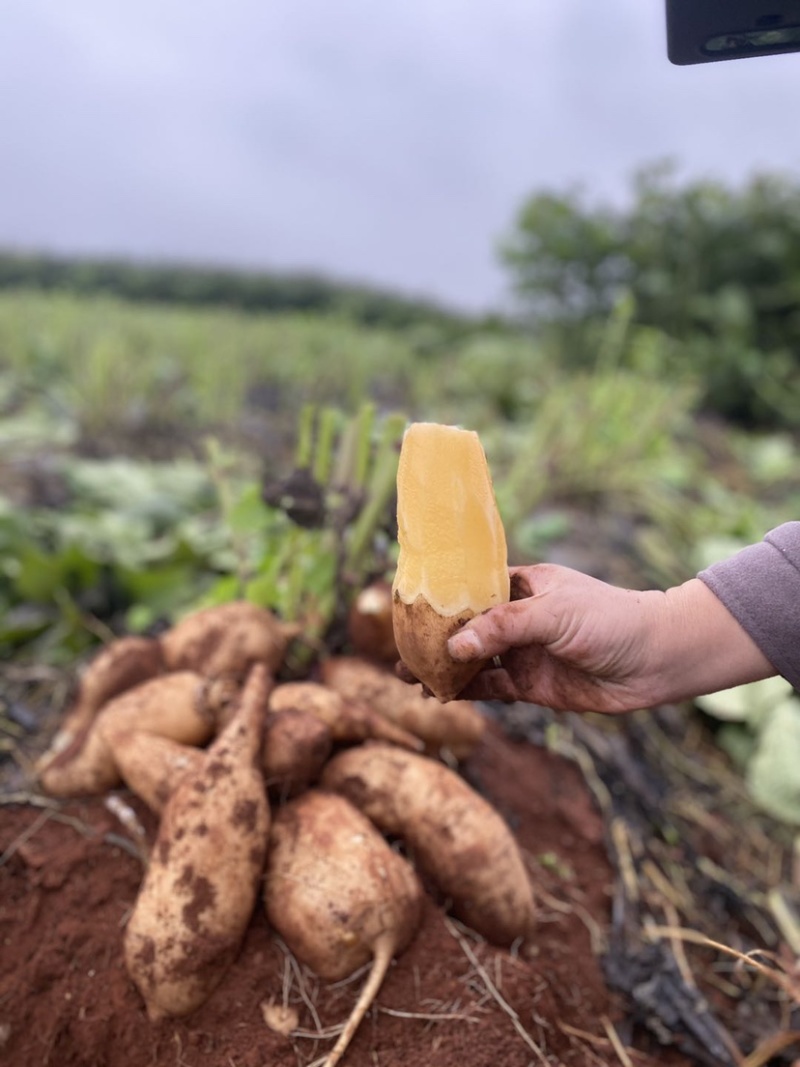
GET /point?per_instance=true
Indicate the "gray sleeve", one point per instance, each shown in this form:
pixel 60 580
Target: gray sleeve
pixel 760 587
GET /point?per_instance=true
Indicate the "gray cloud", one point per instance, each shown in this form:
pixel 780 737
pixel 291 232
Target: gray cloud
pixel 386 143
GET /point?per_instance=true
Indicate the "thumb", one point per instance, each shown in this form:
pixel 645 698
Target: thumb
pixel 512 625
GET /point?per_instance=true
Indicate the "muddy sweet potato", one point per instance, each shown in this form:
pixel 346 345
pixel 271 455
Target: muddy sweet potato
pixel 296 746
pixel 205 869
pixel 458 839
pixel 338 895
pixel 152 766
pixel 179 706
pixel 294 750
pixel 121 665
pixel 456 725
pixel 226 640
pixel 370 629
pixel 348 720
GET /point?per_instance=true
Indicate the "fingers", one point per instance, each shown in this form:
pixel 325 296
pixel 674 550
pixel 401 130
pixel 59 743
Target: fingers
pixel 492 684
pixel 512 625
pixel 520 580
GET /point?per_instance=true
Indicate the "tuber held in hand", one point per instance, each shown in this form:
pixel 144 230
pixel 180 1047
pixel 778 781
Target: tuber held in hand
pixel 453 559
pixel 205 869
pixel 339 895
pixel 459 840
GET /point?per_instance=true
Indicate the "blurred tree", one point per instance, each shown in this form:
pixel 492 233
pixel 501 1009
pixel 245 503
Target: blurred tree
pixel 714 268
pixel 198 286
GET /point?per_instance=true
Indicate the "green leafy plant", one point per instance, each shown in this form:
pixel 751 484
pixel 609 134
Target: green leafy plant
pixel 762 734
pixel 306 543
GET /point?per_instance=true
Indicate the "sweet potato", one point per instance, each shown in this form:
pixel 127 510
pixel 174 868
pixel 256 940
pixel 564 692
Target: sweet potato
pixel 347 719
pixel 459 840
pixel 152 766
pixel 370 629
pixel 294 750
pixel 296 746
pixel 339 895
pixel 180 706
pixel 205 869
pixel 456 725
pixel 121 665
pixel 226 640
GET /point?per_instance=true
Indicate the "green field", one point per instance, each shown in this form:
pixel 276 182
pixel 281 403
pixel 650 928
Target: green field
pixel 157 423
pixel 155 458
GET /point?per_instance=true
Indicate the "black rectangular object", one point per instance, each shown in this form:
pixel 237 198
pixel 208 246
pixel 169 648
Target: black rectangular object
pixel 708 31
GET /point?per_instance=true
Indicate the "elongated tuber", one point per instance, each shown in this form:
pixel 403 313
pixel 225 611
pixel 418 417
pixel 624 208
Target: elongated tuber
pixel 348 720
pixel 179 706
pixel 294 750
pixel 152 766
pixel 205 869
pixel 296 746
pixel 456 725
pixel 227 639
pixel 370 628
pixel 339 895
pixel 460 841
pixel 121 665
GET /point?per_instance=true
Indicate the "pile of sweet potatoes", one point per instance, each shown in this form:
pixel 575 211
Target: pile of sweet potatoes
pixel 284 791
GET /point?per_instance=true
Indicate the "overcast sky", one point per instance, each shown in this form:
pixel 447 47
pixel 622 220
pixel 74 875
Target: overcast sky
pixel 383 142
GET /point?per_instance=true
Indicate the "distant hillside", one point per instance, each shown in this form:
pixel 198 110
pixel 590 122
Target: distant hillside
pixel 179 283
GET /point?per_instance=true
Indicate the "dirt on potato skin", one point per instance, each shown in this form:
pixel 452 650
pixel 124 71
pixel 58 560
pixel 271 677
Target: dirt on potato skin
pixel 69 878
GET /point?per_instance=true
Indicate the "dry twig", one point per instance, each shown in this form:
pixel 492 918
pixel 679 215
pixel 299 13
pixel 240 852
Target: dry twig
pixel 466 948
pixel 777 974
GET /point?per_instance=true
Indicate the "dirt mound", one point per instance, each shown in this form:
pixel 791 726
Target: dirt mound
pixel 68 879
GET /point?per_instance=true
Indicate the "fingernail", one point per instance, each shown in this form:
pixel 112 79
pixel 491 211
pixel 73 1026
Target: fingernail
pixel 465 645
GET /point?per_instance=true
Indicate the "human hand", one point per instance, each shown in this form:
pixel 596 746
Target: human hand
pixel 568 641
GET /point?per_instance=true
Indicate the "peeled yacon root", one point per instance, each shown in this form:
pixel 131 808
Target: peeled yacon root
pixel 459 840
pixel 338 895
pixel 226 640
pixel 205 869
pixel 456 725
pixel 179 706
pixel 453 560
pixel 121 665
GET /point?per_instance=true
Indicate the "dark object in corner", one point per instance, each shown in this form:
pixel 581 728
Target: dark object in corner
pixel 707 31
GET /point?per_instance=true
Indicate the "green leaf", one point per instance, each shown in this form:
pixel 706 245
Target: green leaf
pixel 156 493
pixel 38 575
pixel 750 703
pixel 738 742
pixel 220 592
pixel 773 775
pixel 160 590
pixel 22 623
